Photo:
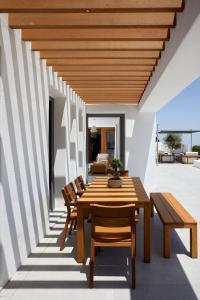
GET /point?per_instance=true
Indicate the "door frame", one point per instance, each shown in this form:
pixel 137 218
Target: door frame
pixel 122 132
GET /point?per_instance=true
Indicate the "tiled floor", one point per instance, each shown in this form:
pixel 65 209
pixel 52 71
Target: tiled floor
pixel 51 274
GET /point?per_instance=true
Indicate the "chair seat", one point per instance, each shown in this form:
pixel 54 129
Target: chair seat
pixel 73 214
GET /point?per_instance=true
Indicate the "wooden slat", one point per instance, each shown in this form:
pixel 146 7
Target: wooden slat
pixel 164 214
pixel 109 93
pixel 106 98
pixel 170 210
pixel 100 54
pixel 109 190
pixel 103 78
pixel 109 199
pixel 73 34
pixel 110 80
pixel 103 68
pixel 98 45
pixel 106 86
pixel 108 89
pixel 104 73
pixel 110 194
pixel 88 5
pixel 110 102
pixel 184 215
pixel 61 20
pixel 101 61
pixel 108 83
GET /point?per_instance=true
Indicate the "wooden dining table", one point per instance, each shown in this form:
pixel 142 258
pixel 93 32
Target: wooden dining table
pixel 131 192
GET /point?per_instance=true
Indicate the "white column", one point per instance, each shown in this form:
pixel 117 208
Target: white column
pixel 84 140
pixel 142 156
pixel 67 152
pixel 77 142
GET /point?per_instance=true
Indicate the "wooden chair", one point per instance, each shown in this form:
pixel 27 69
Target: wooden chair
pixel 112 226
pixel 70 199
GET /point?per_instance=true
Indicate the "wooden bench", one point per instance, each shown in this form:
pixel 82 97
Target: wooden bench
pixel 174 215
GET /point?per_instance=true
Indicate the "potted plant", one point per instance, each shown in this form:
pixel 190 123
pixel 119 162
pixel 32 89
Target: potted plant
pixel 115 180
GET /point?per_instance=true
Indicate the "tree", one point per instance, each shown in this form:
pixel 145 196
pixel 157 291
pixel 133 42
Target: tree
pixel 173 141
pixel 196 148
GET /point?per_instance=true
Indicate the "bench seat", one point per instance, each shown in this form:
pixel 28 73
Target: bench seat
pixel 174 215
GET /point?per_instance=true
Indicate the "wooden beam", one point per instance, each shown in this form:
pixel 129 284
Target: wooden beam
pixel 104 73
pixel 79 88
pixel 98 45
pixel 104 78
pixel 101 61
pixel 109 94
pixel 102 68
pixel 62 20
pixel 115 102
pixel 74 34
pixel 96 86
pixel 109 82
pixel 106 89
pixel 99 54
pixel 106 100
pixel 88 5
pixel 107 85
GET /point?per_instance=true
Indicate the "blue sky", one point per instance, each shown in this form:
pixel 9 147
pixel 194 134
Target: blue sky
pixel 183 112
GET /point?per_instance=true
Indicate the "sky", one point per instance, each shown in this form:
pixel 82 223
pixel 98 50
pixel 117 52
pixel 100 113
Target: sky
pixel 182 113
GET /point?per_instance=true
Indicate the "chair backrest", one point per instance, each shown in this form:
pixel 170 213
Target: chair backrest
pixel 78 184
pixel 70 191
pixel 112 216
pixel 81 182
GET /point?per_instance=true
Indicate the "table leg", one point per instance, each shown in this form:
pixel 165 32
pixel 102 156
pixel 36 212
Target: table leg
pixel 147 233
pixel 80 235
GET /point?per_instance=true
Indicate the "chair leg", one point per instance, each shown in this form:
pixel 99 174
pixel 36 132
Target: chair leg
pixel 92 255
pixel 133 265
pixel 63 236
pixel 75 224
pixel 71 226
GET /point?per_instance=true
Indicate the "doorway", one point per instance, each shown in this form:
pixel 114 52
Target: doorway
pixel 101 141
pixel 108 137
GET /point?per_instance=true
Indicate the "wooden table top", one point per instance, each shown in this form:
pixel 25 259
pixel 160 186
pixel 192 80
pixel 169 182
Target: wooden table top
pixel 132 191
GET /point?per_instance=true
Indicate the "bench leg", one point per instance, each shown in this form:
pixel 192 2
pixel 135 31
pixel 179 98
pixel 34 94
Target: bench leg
pixel 152 212
pixel 193 241
pixel 166 241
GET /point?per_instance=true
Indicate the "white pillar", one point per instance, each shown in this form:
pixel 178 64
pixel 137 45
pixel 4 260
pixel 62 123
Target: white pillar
pixel 142 156
pixel 84 140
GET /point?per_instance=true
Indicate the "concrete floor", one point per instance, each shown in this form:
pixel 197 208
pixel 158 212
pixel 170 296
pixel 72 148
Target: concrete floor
pixel 50 274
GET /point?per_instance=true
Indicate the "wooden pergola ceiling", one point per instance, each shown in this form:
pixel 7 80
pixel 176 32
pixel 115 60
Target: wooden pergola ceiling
pixel 105 49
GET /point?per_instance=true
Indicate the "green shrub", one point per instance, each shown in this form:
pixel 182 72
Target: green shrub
pixel 196 148
pixel 173 141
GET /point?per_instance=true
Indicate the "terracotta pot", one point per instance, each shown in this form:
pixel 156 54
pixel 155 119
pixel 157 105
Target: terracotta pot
pixel 114 183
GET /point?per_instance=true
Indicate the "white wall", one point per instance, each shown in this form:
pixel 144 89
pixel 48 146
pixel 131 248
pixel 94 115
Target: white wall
pixel 25 86
pixel 179 65
pixel 103 122
pixel 139 137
